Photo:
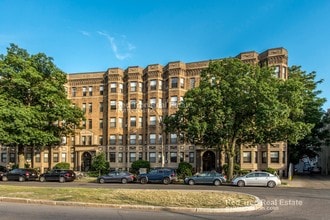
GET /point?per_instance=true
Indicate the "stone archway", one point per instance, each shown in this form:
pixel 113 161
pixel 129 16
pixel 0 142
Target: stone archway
pixel 208 161
pixel 86 161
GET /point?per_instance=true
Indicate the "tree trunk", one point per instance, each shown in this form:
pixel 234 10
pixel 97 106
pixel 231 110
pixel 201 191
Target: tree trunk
pixel 21 157
pixel 230 166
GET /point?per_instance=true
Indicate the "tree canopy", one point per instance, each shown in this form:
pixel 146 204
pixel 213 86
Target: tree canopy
pixel 238 103
pixel 34 109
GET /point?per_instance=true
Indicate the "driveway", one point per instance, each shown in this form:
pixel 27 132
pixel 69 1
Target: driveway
pixel 312 181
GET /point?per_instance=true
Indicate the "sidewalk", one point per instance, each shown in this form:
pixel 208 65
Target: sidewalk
pixel 314 181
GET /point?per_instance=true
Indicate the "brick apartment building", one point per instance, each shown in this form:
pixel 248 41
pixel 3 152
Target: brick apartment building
pixel 124 110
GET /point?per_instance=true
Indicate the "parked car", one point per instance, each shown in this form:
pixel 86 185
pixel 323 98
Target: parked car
pixel 257 179
pixel 117 177
pixel 159 175
pixel 20 175
pixel 2 171
pixel 58 175
pixel 208 177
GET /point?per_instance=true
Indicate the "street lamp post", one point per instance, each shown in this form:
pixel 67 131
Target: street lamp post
pixel 162 133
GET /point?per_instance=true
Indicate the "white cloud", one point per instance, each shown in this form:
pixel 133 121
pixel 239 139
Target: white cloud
pixel 85 33
pixel 120 46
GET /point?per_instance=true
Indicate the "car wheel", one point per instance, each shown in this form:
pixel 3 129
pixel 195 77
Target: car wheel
pixel 4 178
pixel 166 180
pixel 62 179
pixel 217 182
pixel 124 181
pixel 21 179
pixel 191 182
pixel 143 180
pixel 42 179
pixel 101 181
pixel 271 184
pixel 240 183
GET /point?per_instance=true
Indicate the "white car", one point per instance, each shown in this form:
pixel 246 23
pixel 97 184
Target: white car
pixel 257 179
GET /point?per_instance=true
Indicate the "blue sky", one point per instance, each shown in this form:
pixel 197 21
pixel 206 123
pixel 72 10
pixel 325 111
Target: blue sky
pixel 94 35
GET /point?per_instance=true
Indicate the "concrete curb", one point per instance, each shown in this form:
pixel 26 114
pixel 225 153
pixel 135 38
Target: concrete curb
pixel 251 207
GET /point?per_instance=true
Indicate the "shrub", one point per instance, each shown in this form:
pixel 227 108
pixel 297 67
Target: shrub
pixel 136 165
pixel 271 170
pixel 237 168
pixel 184 169
pixel 100 164
pixel 62 166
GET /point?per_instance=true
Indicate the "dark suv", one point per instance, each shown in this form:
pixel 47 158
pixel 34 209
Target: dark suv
pixel 58 175
pixel 20 175
pixel 159 175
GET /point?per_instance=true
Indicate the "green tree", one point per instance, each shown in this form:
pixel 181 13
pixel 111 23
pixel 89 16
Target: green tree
pixel 100 164
pixel 62 165
pixel 241 104
pixel 34 109
pixel 136 165
pixel 184 169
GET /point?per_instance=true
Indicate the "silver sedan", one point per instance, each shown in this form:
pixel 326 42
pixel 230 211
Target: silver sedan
pixel 257 179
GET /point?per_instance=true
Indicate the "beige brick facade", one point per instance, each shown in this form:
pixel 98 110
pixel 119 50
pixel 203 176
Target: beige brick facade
pixel 124 108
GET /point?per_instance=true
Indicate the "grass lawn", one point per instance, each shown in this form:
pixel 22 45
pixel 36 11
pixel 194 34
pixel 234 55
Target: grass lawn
pixel 164 198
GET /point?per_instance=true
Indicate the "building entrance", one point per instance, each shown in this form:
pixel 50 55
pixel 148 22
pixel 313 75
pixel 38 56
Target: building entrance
pixel 208 161
pixel 86 161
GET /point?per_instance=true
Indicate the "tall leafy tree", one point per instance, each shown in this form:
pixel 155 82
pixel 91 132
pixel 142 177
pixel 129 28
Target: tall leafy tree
pixel 238 103
pixel 34 109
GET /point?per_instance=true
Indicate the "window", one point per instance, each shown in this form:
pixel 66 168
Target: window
pixel 181 156
pixel 264 157
pixel 112 122
pixel 174 139
pixel 182 82
pixel 173 157
pixel 174 101
pixel 153 84
pixel 28 156
pixel 90 107
pixel 160 85
pixel 132 157
pixel 256 157
pixel 55 158
pixel 72 157
pixel 101 123
pixel 84 107
pixel 133 103
pixel 84 91
pixel 120 157
pixel 90 123
pixel 133 86
pixel 46 158
pixel 152 139
pixel 191 157
pixel 101 106
pixel 63 157
pixel 277 71
pixel 140 122
pixel 140 87
pixel 101 89
pixel 140 156
pixel 113 104
pixel 90 91
pixel 84 124
pixel 83 140
pixel 120 139
pixel 112 139
pixel 121 88
pixel 132 139
pixel 153 120
pixel 74 92
pixel 284 157
pixel 192 83
pixel 37 157
pixel 247 157
pixel 113 87
pixel 4 157
pixel 100 140
pixel 140 139
pixel 120 105
pixel 160 103
pixel 133 121
pixel 274 157
pixel 284 72
pixel 112 157
pixel 89 140
pixel 152 157
pixel 120 122
pixel 153 103
pixel 174 82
